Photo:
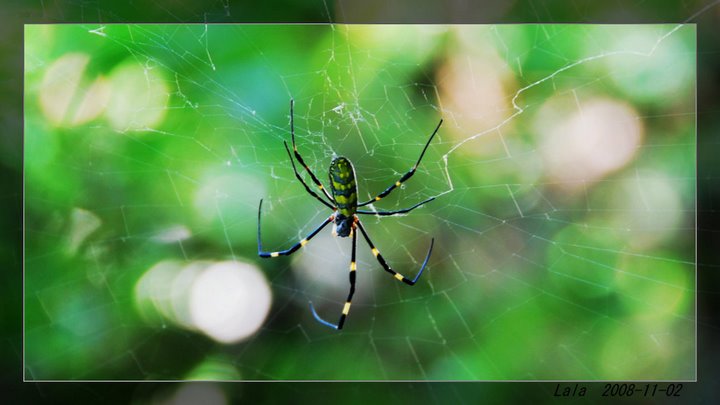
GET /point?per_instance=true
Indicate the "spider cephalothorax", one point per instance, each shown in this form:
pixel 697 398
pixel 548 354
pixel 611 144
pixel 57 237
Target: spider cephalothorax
pixel 344 204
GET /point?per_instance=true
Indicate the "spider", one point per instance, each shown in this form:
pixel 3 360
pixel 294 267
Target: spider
pixel 345 205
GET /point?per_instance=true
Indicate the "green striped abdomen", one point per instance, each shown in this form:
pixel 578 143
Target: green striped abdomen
pixel 342 183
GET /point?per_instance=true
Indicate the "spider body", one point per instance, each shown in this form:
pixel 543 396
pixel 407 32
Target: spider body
pixel 344 204
pixel 344 192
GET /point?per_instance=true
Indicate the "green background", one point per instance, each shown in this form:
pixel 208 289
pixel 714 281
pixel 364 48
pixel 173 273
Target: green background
pixel 536 274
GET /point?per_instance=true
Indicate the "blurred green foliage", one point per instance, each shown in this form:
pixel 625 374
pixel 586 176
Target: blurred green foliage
pixel 534 276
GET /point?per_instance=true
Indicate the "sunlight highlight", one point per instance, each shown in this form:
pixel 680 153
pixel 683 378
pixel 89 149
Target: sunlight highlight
pixel 65 98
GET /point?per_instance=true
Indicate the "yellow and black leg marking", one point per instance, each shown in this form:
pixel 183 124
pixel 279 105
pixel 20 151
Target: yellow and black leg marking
pixel 348 301
pixel 387 267
pixel 307 188
pixel 299 157
pixel 405 176
pixel 396 212
pixel 294 247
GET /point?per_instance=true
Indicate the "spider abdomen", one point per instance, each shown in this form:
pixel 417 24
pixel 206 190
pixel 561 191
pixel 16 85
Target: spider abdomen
pixel 343 187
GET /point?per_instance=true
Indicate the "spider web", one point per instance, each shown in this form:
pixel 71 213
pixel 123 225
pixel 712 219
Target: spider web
pixel 559 253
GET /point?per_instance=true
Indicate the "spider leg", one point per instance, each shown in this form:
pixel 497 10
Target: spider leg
pixel 387 267
pixel 312 193
pixel 299 158
pixel 397 212
pixel 294 247
pixel 348 301
pixel 405 176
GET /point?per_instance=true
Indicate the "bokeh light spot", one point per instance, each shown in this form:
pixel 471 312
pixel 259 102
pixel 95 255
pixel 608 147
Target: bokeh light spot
pixel 139 97
pixel 638 75
pixel 662 284
pixel 229 301
pixel 153 291
pixel 581 143
pixel 82 224
pixel 651 208
pixel 473 86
